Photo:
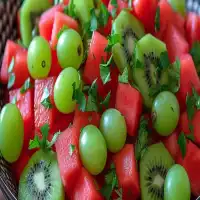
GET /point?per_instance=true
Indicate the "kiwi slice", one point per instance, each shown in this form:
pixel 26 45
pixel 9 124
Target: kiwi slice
pixel 154 166
pixel 129 30
pixel 29 13
pixel 148 51
pixel 41 178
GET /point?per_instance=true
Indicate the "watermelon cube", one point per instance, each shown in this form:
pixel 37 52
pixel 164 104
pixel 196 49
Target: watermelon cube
pixel 192 28
pixel 10 51
pixel 175 42
pixel 188 79
pixel 95 55
pixel 47 20
pixel 44 115
pixel 129 103
pixel 85 188
pixel 127 172
pixel 184 125
pixel 68 159
pixel 82 119
pixel 60 21
pixel 25 104
pixel 191 163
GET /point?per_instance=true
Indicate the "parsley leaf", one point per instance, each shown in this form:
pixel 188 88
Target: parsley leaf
pixel 71 149
pixel 27 85
pixel 105 70
pixel 124 77
pixel 11 66
pixel 182 142
pixel 174 76
pixel 45 100
pixel 106 101
pixel 195 53
pixel 157 19
pixel 142 139
pixel 11 80
pixel 64 28
pixel 70 10
pixel 112 40
pixel 94 22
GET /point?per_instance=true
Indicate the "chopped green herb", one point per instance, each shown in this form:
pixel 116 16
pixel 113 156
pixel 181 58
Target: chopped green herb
pixel 182 144
pixel 190 106
pixel 106 101
pixel 70 10
pixel 64 28
pixel 35 143
pixel 45 100
pixel 103 15
pixel 114 3
pixel 94 22
pixel 197 98
pixel 11 66
pixel 190 137
pixel 11 80
pixel 27 85
pixel 112 40
pixel 157 19
pixel 195 53
pixel 71 149
pixel 124 77
pixel 92 104
pixel 164 60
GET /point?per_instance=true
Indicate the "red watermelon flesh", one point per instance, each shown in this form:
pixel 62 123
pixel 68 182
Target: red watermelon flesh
pixel 94 59
pixel 10 51
pixel 120 6
pixel 145 11
pixel 65 2
pixel 129 103
pixel 175 42
pixel 192 28
pixel 60 21
pixel 188 79
pixel 127 172
pixel 25 105
pixel 69 164
pixel 184 125
pixel 47 20
pixel 85 188
pixel 44 115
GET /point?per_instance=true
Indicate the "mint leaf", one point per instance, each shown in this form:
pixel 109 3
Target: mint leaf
pixel 190 137
pixel 157 19
pixel 27 85
pixel 182 142
pixel 174 76
pixel 124 77
pixel 93 22
pixel 35 143
pixel 112 40
pixel 190 106
pixel 138 64
pixel 54 139
pixel 71 149
pixel 105 70
pixel 103 16
pixel 196 97
pixel 64 28
pixel 195 53
pixel 164 60
pixel 114 3
pixel 11 80
pixel 45 100
pixel 70 9
pixel 12 64
pixel 106 101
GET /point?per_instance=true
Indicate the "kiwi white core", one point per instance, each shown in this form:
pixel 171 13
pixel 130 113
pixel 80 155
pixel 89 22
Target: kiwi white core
pixel 158 181
pixel 39 180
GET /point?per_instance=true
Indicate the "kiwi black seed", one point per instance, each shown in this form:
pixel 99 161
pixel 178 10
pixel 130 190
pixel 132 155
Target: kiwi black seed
pixel 154 166
pixel 129 29
pixel 41 178
pixel 149 74
pixel 29 17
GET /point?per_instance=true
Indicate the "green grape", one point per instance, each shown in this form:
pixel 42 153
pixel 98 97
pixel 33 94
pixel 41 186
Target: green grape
pixel 165 113
pixel 179 6
pixel 177 184
pixel 11 132
pixel 39 58
pixel 70 49
pixel 93 151
pixel 63 90
pixel 113 127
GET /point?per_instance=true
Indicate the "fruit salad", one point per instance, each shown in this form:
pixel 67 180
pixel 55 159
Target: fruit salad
pixel 103 100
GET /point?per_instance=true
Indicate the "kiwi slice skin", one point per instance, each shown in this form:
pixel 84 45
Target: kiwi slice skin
pixel 41 178
pixel 154 166
pixel 144 77
pixel 29 10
